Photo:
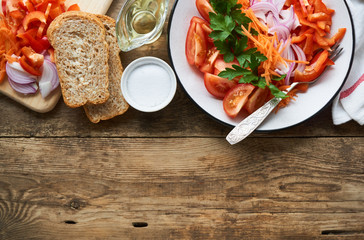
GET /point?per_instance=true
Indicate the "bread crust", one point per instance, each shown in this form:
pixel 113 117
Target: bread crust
pixel 116 104
pixel 52 36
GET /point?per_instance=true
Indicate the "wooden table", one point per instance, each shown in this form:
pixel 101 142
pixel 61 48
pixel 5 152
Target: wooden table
pixel 172 175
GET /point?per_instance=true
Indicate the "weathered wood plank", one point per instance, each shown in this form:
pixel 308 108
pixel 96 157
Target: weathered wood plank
pixel 103 185
pixel 182 118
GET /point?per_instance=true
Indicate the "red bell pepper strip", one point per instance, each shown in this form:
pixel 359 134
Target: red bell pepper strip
pixel 34 59
pixel 34 16
pixel 27 67
pixel 315 69
pixel 74 7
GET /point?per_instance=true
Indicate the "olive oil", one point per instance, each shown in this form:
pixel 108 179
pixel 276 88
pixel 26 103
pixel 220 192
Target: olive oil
pixel 140 22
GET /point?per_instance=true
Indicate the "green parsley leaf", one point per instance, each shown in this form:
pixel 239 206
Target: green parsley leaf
pixel 279 78
pixel 230 73
pixel 222 26
pixel 232 43
pixel 276 92
pixel 240 45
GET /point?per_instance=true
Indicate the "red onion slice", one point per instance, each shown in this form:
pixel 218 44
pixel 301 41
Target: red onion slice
pixel 49 79
pixel 282 31
pixel 289 73
pixel 265 7
pixel 23 88
pixel 18 74
pixel 300 57
pixel 280 4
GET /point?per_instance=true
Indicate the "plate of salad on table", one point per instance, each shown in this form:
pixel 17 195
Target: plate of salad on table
pixel 232 56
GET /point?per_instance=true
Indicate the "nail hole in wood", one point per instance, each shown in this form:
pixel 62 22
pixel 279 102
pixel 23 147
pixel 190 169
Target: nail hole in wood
pixel 70 222
pixel 342 232
pixel 140 224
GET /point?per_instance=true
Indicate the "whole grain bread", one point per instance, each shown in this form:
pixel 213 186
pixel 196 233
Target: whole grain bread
pixel 116 104
pixel 81 57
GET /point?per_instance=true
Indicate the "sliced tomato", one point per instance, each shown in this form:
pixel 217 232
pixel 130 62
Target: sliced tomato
pixel 208 65
pixel 205 27
pixel 196 45
pixel 315 69
pixel 220 65
pixel 218 86
pixel 256 99
pixel 200 46
pixel 236 98
pixel 190 44
pixel 32 17
pixel 27 67
pixel 204 7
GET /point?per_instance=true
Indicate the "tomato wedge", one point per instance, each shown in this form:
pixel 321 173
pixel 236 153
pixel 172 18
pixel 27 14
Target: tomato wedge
pixel 196 45
pixel 204 7
pixel 220 65
pixel 218 86
pixel 256 99
pixel 208 65
pixel 236 98
pixel 190 44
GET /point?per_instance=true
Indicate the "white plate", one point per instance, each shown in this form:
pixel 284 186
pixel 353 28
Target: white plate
pixel 306 105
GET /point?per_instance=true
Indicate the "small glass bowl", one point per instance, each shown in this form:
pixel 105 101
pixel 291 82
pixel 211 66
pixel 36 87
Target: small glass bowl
pixel 140 22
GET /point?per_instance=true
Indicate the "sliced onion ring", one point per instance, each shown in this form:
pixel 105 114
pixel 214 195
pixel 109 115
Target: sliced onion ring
pixel 49 79
pixel 23 88
pixel 18 74
pixel 300 57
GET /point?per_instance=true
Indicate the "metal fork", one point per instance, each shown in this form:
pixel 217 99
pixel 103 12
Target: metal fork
pixel 250 123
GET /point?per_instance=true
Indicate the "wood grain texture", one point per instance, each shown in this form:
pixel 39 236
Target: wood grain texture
pixel 172 175
pixel 287 191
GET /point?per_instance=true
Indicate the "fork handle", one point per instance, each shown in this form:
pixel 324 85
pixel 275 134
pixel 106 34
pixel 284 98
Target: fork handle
pixel 250 123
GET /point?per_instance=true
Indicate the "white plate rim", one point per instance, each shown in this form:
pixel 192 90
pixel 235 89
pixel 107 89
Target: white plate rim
pixel 260 130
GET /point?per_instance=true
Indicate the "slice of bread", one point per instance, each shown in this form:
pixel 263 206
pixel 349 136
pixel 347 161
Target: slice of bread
pixel 116 104
pixel 81 56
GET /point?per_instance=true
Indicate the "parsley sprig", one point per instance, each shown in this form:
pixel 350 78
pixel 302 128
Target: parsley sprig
pixel 233 43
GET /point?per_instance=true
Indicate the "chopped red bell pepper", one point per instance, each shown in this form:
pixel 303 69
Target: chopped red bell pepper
pixel 337 37
pixel 29 38
pixel 27 6
pixel 55 12
pixel 315 69
pixel 3 6
pixel 27 67
pixel 74 7
pixel 18 15
pixel 34 16
pixel 35 59
pixel 321 16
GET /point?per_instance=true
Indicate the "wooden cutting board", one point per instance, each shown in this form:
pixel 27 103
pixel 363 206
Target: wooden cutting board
pixel 35 101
